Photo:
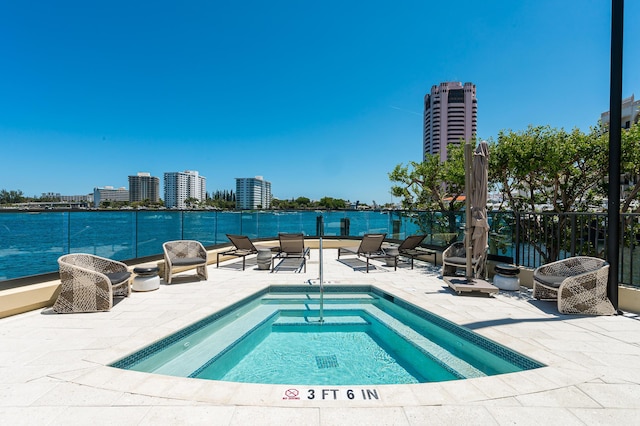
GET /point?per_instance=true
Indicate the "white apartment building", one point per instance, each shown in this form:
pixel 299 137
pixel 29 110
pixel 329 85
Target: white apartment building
pixel 109 193
pixel 450 115
pixel 56 196
pixel 630 113
pixel 178 186
pixel 253 193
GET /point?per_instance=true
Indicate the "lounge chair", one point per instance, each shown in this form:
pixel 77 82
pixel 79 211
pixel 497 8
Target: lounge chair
pixel 89 283
pixel 291 252
pixel 243 247
pixel 409 248
pixel 370 247
pixel 454 258
pixel 184 254
pixel 579 284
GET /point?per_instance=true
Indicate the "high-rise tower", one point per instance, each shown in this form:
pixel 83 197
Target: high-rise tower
pixel 450 115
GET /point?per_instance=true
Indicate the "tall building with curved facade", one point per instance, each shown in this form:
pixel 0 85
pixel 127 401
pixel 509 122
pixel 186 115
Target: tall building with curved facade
pixel 450 115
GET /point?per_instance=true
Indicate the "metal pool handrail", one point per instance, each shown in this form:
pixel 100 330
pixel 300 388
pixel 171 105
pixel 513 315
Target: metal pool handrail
pixel 320 259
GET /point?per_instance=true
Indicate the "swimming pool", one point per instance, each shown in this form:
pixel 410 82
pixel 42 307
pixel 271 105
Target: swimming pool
pixel 366 337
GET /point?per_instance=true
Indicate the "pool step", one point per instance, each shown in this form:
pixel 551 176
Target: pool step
pixel 196 351
pixel 330 298
pixel 314 319
pixel 437 353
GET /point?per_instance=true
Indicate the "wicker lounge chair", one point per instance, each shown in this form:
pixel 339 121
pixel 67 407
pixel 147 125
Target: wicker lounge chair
pixel 370 247
pixel 292 253
pixel 89 283
pixel 454 257
pixel 410 248
pixel 579 284
pixel 184 254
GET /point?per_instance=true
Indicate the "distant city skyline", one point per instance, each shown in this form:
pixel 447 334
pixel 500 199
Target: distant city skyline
pixel 323 99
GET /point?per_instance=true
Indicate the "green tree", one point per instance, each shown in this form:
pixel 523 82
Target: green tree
pixel 11 197
pixel 191 202
pixel 543 165
pixel 332 203
pixel 303 202
pixel 431 185
pixel 630 166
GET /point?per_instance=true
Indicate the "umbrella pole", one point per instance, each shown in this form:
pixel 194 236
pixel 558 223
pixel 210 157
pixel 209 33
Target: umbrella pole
pixel 468 169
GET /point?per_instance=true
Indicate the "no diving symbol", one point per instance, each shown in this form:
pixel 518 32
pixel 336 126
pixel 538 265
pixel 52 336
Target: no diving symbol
pixel 291 394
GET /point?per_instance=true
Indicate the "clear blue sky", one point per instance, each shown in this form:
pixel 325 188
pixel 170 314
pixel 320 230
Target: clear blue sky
pixel 320 98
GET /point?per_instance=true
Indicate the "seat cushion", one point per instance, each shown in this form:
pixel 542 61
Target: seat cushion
pixel 186 261
pixel 550 280
pixel 460 261
pixel 118 277
pixel 507 270
pixel 146 270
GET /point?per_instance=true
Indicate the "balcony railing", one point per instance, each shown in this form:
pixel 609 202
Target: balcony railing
pixel 31 242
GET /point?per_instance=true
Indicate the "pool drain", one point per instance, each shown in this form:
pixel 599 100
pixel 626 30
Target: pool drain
pixel 327 361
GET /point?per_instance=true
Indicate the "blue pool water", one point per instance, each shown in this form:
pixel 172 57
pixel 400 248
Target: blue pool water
pixel 326 357
pixel 366 337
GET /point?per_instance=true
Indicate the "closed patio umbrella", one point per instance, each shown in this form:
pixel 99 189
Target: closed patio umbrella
pixel 479 194
pixel 476 182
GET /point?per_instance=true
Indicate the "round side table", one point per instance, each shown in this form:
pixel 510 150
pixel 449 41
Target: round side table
pixel 506 277
pixel 392 256
pixel 264 259
pixel 146 279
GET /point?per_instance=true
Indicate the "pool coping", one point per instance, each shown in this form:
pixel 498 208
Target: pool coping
pixel 542 379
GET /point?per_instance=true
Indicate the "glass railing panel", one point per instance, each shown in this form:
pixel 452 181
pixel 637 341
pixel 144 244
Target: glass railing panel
pixel 396 225
pixel 441 228
pixel 30 243
pixel 155 227
pixel 364 222
pixel 249 224
pixel 200 226
pixel 228 222
pixel 287 222
pixel 333 223
pixel 106 234
pixel 270 224
pixel 307 222
pixel 407 226
pixel 404 224
pixel 501 233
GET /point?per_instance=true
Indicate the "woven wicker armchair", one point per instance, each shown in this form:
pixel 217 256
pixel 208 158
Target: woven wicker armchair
pixel 454 257
pixel 89 283
pixel 184 254
pixel 579 284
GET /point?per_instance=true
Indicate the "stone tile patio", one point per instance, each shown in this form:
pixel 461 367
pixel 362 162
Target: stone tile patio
pixel 53 367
